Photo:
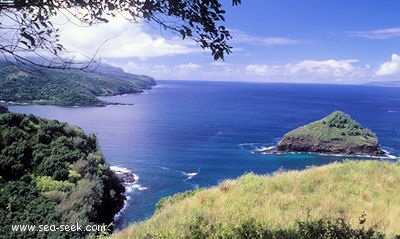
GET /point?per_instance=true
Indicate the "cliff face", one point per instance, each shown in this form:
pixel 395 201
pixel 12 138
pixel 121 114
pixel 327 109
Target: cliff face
pixel 335 134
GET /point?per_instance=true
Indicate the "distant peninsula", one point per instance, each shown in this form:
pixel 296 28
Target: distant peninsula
pixel 336 134
pixel 394 83
pixel 69 87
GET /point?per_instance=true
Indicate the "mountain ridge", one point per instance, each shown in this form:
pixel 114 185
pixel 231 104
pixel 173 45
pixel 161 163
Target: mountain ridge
pixel 67 87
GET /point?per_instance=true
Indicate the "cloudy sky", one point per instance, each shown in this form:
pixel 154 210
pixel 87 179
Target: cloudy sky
pixel 315 41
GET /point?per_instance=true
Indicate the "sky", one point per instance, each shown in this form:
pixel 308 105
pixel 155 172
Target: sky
pixel 299 41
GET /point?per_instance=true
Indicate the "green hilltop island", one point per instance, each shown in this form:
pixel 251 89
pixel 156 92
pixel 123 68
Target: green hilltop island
pixel 336 134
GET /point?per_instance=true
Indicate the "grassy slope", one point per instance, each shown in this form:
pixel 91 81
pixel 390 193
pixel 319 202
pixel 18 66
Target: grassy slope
pixel 337 190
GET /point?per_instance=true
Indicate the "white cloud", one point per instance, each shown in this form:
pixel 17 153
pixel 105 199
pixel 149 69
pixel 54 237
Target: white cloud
pixel 327 71
pixel 188 71
pixel 307 71
pixel 345 71
pixel 379 34
pixel 278 41
pixel 330 68
pixel 391 67
pixel 219 63
pixel 120 38
pixel 255 69
pixel 243 37
pixel 142 68
pixel 189 67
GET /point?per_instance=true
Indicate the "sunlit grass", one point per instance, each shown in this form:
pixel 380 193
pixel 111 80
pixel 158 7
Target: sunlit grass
pixel 339 190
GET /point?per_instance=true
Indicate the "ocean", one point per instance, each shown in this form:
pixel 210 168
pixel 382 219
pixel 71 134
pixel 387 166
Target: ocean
pixel 184 135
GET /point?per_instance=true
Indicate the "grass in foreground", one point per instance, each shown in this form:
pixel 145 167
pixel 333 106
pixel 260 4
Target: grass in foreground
pixel 339 194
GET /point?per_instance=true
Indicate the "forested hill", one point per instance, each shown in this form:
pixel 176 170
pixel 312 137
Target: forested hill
pixel 67 87
pixel 51 173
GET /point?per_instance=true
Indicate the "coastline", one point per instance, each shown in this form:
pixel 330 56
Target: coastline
pixel 102 103
pixel 274 150
pixel 125 174
pixel 130 182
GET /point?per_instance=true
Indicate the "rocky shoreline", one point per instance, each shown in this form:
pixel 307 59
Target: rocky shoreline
pixel 125 175
pixel 274 150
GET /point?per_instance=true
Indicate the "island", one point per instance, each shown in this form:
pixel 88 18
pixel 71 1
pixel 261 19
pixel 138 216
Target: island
pixel 70 87
pixel 336 134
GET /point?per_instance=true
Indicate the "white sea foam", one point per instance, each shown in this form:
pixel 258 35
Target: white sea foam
pixel 129 187
pixel 389 155
pixel 164 168
pixel 251 146
pixel 141 188
pixel 134 186
pixel 118 214
pixel 268 148
pixel 117 169
pixel 190 175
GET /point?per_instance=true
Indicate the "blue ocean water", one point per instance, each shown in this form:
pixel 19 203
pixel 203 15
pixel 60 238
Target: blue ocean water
pixel 184 135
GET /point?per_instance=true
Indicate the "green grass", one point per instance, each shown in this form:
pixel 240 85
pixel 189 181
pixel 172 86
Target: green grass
pixel 340 190
pixel 336 125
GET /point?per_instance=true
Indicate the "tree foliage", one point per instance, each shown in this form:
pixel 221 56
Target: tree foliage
pixel 52 173
pixel 30 28
pixel 3 109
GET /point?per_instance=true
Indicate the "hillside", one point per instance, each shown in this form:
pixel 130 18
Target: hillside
pixel 67 87
pixel 51 173
pixel 340 200
pixel 337 133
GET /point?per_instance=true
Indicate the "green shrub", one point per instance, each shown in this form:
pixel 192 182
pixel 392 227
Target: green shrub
pixel 334 229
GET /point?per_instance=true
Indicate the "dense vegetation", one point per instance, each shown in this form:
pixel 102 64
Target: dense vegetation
pixel 52 173
pixel 67 87
pixel 337 133
pixel 251 229
pixel 354 199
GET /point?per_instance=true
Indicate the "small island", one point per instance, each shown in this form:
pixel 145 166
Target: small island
pixel 336 134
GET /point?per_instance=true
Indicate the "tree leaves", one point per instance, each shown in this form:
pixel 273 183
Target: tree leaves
pixel 30 38
pixel 199 20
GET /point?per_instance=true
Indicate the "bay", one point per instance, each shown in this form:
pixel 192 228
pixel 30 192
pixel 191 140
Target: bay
pixel 185 135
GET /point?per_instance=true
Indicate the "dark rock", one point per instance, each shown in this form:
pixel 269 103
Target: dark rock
pixel 124 174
